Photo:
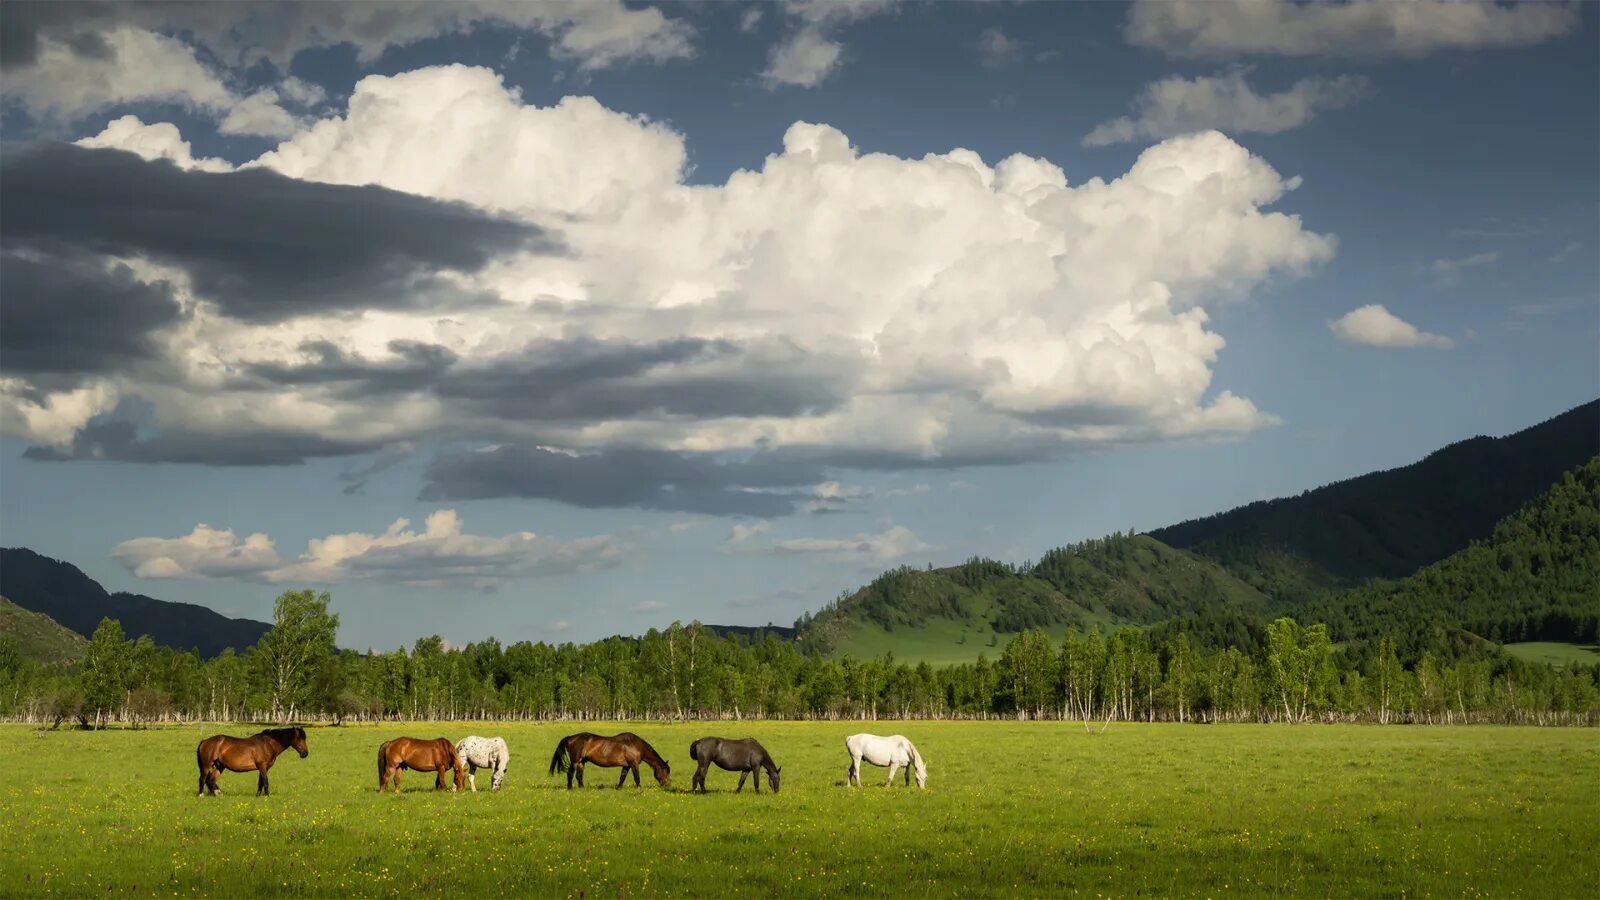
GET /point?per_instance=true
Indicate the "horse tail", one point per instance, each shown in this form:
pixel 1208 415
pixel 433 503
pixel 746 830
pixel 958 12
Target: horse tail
pixel 692 755
pixel 382 753
pixel 559 762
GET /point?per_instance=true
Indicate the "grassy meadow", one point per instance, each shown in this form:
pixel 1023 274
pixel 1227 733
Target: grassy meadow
pixel 1011 809
pixel 1555 653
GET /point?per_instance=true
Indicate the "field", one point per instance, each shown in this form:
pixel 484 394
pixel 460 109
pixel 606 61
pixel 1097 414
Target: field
pixel 1011 809
pixel 1554 653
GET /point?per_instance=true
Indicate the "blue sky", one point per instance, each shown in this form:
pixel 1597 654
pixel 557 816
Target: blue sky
pixel 661 353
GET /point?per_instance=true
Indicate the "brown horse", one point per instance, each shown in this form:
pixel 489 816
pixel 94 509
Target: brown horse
pixel 257 752
pixel 626 750
pixel 437 755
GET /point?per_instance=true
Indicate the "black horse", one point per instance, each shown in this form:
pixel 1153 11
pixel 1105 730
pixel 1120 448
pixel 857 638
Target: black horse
pixel 744 757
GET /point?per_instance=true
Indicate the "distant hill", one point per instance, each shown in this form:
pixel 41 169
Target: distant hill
pixel 754 633
pixel 62 592
pixel 956 613
pixel 41 637
pixel 1535 578
pixel 1392 523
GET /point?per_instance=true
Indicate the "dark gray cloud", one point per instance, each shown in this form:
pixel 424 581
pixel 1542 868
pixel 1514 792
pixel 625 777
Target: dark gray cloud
pixel 261 245
pixel 23 22
pixel 417 365
pixel 586 379
pixel 71 314
pixel 692 377
pixel 121 441
pixel 646 479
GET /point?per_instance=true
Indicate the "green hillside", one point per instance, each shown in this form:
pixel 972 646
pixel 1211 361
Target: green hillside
pixel 1389 524
pixel 953 614
pixel 1535 579
pixel 39 636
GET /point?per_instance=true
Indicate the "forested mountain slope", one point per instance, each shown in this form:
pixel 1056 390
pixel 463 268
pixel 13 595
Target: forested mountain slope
pixel 62 592
pixel 1535 578
pixel 39 637
pixel 1389 524
pixel 955 613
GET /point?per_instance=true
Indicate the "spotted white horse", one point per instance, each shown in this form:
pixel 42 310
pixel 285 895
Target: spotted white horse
pixel 486 753
pixel 893 751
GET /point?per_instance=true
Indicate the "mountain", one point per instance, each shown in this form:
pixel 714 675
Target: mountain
pixel 1535 578
pixel 1392 523
pixel 40 637
pixel 956 613
pixel 62 592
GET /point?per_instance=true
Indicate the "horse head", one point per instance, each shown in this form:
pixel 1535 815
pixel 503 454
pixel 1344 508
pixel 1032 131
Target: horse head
pixel 298 741
pixel 772 777
pixel 455 761
pixel 663 772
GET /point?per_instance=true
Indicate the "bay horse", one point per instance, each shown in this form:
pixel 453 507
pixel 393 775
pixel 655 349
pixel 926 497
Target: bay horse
pixel 437 755
pixel 893 751
pixel 746 757
pixel 626 750
pixel 221 752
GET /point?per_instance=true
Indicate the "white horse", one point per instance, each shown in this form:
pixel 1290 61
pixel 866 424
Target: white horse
pixel 488 753
pixel 893 751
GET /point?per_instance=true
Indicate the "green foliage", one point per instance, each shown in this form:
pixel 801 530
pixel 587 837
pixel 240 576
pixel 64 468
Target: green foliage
pixel 294 655
pixel 1123 578
pixel 38 637
pixel 1536 578
pixel 107 671
pixel 1389 524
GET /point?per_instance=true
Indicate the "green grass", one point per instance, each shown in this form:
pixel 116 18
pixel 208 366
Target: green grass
pixel 40 636
pixel 938 642
pixel 1556 654
pixel 1163 809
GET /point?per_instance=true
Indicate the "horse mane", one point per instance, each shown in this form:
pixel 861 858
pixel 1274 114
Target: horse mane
pixel 284 735
pixel 651 750
pixel 916 758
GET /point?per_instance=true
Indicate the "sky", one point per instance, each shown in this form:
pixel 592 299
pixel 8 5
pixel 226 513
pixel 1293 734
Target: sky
pixel 551 321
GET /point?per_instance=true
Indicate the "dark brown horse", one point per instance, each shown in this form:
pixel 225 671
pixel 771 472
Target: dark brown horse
pixel 257 752
pixel 626 750
pixel 437 755
pixel 745 757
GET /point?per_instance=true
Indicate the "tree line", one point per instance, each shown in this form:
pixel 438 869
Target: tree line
pixel 1287 672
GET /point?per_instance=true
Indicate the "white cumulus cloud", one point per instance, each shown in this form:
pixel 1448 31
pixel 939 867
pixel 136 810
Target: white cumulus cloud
pixel 892 543
pixel 827 308
pixel 1227 102
pixel 132 65
pixel 1375 326
pixel 440 554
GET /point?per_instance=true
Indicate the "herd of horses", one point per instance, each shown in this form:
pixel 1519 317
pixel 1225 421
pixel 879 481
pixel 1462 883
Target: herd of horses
pixel 626 751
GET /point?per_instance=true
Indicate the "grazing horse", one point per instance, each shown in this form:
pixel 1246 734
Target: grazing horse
pixel 893 751
pixel 745 757
pixel 257 752
pixel 487 753
pixel 437 755
pixel 626 750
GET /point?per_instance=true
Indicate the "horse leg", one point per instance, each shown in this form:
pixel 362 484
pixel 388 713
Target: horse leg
pixel 893 767
pixel 261 781
pixel 742 777
pixel 636 775
pixel 699 779
pixel 624 779
pixel 579 767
